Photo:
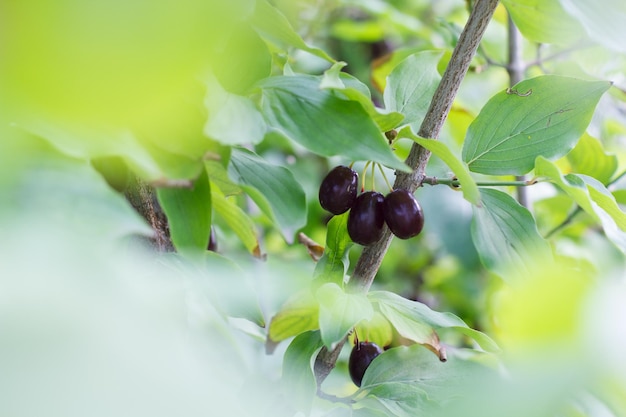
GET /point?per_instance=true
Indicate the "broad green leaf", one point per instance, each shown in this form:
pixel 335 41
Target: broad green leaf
pixel 188 214
pixel 411 85
pixel 232 119
pixel 279 195
pixel 322 122
pixel 604 22
pixel 543 21
pixel 340 312
pixel 542 116
pixel 274 27
pixel 298 378
pixel 505 235
pixel 571 184
pixel 468 185
pixel 377 330
pixel 299 314
pixel 334 263
pixel 416 321
pixel 589 158
pixel 236 219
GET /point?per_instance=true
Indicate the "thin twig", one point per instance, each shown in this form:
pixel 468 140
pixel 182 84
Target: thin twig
pixel 456 183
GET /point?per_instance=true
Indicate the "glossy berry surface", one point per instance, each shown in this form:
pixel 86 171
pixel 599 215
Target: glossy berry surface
pixel 338 190
pixel 366 220
pixel 363 353
pixel 403 214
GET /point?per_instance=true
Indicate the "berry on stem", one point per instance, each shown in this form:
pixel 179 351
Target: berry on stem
pixel 362 355
pixel 366 219
pixel 338 190
pixel 403 214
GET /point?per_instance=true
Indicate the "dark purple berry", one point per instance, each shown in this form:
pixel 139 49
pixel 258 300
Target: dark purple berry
pixel 366 219
pixel 212 241
pixel 403 214
pixel 338 190
pixel 363 353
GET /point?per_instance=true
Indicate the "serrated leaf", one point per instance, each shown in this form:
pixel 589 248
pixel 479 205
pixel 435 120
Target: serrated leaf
pixel 299 314
pixel 322 122
pixel 589 158
pixel 603 22
pixel 340 312
pixel 334 263
pixel 188 214
pixel 543 116
pixel 411 86
pixel 236 219
pixel 416 321
pixel 543 21
pixel 280 196
pixel 298 378
pixel 506 236
pixel 275 27
pixel 468 185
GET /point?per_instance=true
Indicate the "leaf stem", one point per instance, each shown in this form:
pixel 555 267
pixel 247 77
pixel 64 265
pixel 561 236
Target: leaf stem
pixel 452 182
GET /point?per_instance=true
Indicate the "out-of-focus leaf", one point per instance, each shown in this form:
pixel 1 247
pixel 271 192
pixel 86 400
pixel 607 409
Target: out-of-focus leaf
pixel 325 124
pixel 283 198
pixel 334 263
pixel 299 314
pixel 603 22
pixel 188 213
pixel 505 235
pixel 543 116
pixel 377 330
pixel 468 185
pixel 298 378
pixel 219 176
pixel 411 85
pixel 340 312
pixel 543 21
pixel 589 158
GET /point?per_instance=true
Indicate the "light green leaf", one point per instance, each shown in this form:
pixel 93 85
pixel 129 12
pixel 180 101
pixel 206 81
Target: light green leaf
pixel 219 176
pixel 543 21
pixel 340 312
pixel 273 26
pixel 612 217
pixel 377 330
pixel 543 116
pixel 468 185
pixel 280 195
pixel 233 119
pixel 298 378
pixel 571 184
pixel 299 314
pixel 334 263
pixel 236 219
pixel 188 214
pixel 505 235
pixel 322 122
pixel 589 158
pixel 604 22
pixel 416 321
pixel 411 86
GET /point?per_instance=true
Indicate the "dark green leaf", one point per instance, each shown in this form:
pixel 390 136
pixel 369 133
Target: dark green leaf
pixel 506 236
pixel 541 116
pixel 322 122
pixel 188 213
pixel 280 195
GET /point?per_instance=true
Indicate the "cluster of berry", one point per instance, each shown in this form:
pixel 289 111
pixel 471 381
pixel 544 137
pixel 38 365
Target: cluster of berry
pixel 370 210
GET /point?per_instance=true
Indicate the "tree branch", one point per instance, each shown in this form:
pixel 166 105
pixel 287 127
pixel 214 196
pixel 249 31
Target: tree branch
pixel 372 256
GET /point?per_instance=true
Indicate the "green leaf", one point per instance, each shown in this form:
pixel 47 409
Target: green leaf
pixel 543 21
pixel 416 321
pixel 506 236
pixel 340 312
pixel 571 184
pixel 299 314
pixel 236 219
pixel 604 24
pixel 322 122
pixel 468 185
pixel 188 214
pixel 589 158
pixel 273 26
pixel 298 378
pixel 233 119
pixel 543 116
pixel 334 263
pixel 377 330
pixel 411 86
pixel 280 195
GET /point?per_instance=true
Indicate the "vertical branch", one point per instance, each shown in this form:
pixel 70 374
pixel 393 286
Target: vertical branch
pixel 515 67
pixel 372 256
